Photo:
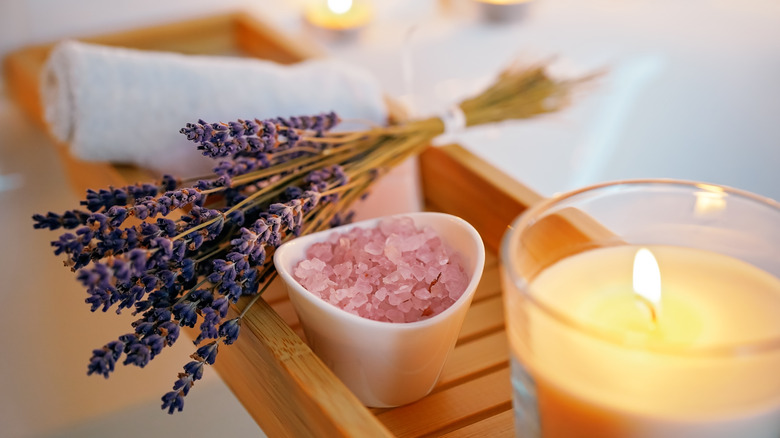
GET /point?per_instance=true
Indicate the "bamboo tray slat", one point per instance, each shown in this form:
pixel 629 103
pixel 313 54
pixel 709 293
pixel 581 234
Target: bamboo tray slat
pixel 282 384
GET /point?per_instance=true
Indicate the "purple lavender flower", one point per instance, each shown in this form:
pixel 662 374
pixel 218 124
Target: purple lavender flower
pixel 169 183
pixel 207 353
pixel 173 401
pixel 138 258
pixel 128 298
pixel 229 330
pixel 186 313
pixel 239 166
pixel 274 224
pixel 290 214
pixel 221 305
pixel 194 369
pixel 67 243
pixel 208 328
pixel 236 217
pixel 250 244
pixel 170 331
pixel 231 139
pixel 186 270
pixel 155 343
pixel 103 360
pixel 69 220
pixel 137 352
pixel 107 198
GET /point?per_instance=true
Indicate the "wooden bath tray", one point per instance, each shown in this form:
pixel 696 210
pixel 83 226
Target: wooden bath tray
pixel 282 384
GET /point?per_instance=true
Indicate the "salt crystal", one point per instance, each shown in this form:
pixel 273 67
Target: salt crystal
pixel 418 272
pixel 404 292
pixel 319 282
pixel 398 225
pixel 395 315
pixel 442 258
pixel 392 253
pixel 419 304
pixel 438 290
pixel 413 243
pixel 322 251
pixel 373 248
pixel 391 278
pixel 362 286
pixel 340 294
pixel 359 299
pixel 422 294
pixel 394 272
pixel 394 299
pixel 432 274
pixel 343 270
pixel 404 271
pixel 405 306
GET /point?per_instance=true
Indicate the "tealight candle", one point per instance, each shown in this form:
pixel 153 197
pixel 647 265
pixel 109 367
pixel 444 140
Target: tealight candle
pixel 661 322
pixel 339 18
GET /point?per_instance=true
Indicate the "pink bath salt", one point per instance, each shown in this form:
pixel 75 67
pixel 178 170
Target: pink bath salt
pixel 373 247
pixel 358 300
pixel 339 294
pixel 398 297
pixel 392 277
pixel 343 270
pixel 394 272
pixel 422 293
pixel 312 265
pixel 322 251
pixel 393 254
pixel 405 306
pixel 395 315
pixel 404 271
pixel 419 272
pixel 315 272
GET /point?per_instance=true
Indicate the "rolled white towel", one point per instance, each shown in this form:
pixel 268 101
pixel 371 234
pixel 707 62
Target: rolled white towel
pixel 127 106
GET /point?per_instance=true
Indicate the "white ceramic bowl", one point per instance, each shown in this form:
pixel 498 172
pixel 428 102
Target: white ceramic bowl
pixel 385 364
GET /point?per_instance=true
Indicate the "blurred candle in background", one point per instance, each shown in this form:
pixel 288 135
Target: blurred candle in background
pixel 339 18
pixel 502 11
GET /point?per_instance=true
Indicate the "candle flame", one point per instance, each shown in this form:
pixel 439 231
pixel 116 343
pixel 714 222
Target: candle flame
pixel 647 277
pixel 339 6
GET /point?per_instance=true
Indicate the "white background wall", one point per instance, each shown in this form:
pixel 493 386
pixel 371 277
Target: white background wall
pixel 25 22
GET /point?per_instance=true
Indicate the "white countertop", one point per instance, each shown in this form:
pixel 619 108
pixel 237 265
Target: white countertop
pixel 692 94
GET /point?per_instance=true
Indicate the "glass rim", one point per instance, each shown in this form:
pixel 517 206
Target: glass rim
pixel 508 255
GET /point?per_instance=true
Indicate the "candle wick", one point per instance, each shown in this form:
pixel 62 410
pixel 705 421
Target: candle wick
pixel 651 307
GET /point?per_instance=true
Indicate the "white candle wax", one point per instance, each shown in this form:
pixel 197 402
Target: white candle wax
pixel 634 385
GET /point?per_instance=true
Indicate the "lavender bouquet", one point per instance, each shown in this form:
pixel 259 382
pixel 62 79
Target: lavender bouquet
pixel 180 252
